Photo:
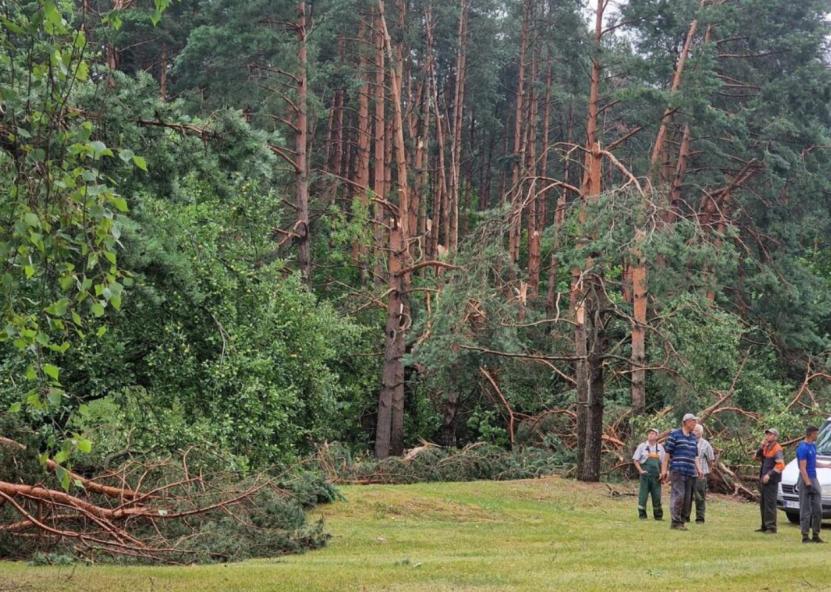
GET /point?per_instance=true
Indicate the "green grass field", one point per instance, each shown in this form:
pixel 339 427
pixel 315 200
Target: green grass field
pixel 549 534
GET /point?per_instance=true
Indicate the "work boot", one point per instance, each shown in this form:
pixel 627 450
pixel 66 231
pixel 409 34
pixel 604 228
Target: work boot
pixel 699 520
pixel 816 539
pixel 805 538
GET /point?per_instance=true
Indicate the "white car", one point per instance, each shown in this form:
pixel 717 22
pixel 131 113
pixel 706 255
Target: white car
pixel 788 498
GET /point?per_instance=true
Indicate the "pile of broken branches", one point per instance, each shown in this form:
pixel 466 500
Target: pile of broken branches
pixel 161 510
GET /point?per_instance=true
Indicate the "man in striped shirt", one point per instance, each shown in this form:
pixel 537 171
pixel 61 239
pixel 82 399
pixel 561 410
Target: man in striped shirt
pixel 681 464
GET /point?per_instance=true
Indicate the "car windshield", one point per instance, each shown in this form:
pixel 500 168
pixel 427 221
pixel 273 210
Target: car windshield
pixel 824 440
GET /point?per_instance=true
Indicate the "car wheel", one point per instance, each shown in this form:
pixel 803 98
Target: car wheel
pixel 793 517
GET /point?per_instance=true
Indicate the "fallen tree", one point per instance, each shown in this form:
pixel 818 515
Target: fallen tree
pixel 170 510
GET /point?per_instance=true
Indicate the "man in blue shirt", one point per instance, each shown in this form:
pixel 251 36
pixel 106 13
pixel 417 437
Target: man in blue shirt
pixel 681 463
pixel 810 491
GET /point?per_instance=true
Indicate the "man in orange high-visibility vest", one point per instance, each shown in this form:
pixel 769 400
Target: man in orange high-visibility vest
pixel 772 460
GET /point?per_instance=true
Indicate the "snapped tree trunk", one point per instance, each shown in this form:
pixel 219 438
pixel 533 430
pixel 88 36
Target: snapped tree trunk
pixel 589 345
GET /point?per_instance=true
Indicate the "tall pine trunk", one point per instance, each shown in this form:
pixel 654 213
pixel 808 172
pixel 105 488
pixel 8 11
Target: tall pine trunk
pixel 456 139
pixel 589 339
pixel 301 145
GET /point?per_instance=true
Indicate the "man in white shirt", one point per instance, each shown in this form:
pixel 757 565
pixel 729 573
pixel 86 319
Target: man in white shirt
pixel 706 458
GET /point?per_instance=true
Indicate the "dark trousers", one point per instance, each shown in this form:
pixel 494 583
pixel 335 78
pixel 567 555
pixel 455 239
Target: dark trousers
pixel 810 507
pixel 700 498
pixel 680 499
pixel 650 487
pixel 767 504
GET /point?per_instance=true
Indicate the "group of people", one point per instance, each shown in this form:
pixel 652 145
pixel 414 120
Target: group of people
pixel 685 461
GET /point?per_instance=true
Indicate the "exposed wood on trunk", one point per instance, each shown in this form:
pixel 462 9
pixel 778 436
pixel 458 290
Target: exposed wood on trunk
pixel 588 334
pixel 398 309
pixel 678 178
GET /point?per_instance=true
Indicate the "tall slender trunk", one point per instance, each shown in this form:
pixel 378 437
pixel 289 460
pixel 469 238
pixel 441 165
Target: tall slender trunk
pixel 515 227
pixel 542 199
pixel 458 116
pixel 361 178
pixel 441 218
pixel 301 146
pixel 392 379
pixel 379 172
pixel 398 308
pixel 531 167
pixel 588 332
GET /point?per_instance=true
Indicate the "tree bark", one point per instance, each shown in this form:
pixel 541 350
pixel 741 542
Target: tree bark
pixel 392 379
pixel 456 139
pixel 397 395
pixel 515 227
pixel 584 297
pixel 361 178
pixel 301 146
pixel 379 184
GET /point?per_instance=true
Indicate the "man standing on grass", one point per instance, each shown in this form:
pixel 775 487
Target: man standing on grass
pixel 706 458
pixel 681 465
pixel 647 459
pixel 772 457
pixel 810 491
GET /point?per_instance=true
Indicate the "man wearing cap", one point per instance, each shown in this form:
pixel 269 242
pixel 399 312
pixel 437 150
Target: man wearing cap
pixel 682 467
pixel 810 491
pixel 647 459
pixel 706 458
pixel 772 457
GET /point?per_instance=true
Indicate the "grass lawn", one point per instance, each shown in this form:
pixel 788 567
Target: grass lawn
pixel 548 534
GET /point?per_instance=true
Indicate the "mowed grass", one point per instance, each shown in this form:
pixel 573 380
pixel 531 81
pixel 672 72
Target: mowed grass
pixel 548 534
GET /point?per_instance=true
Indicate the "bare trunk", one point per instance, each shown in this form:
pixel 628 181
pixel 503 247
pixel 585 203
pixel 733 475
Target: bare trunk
pixel 392 386
pixel 456 140
pixel 361 179
pixel 515 228
pixel 542 199
pixel 397 396
pixel 531 167
pixel 588 338
pixel 379 183
pixel 301 139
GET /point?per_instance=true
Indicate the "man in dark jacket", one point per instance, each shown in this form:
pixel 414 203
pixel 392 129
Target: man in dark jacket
pixel 772 460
